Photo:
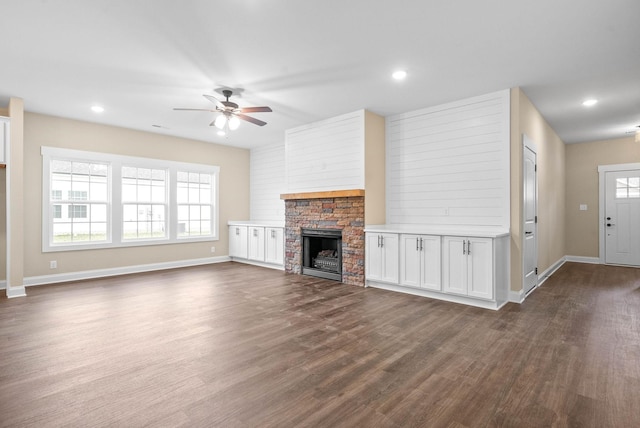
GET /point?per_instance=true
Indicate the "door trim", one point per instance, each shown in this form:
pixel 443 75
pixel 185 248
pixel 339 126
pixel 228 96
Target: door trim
pixel 602 170
pixel 527 143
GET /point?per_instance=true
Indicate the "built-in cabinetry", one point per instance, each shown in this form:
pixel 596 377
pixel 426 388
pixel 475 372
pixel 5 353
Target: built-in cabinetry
pixel 468 266
pixel 238 242
pixel 461 265
pixel 382 256
pixel 420 261
pixel 257 243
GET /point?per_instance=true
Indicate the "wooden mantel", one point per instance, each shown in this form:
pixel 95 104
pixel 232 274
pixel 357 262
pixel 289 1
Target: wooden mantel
pixel 323 195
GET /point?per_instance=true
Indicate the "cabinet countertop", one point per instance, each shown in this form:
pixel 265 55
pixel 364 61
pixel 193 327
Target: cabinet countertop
pixel 257 223
pixel 449 230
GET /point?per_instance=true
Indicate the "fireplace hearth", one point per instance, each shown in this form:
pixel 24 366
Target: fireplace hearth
pixel 322 253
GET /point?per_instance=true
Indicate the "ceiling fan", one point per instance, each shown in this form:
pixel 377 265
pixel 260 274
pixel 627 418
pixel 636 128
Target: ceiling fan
pixel 231 113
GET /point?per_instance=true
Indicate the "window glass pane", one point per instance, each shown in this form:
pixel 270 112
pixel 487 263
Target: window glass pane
pixel 205 212
pixel 98 231
pixel 157 194
pixel 621 182
pixel 205 195
pixel 61 232
pixel 621 193
pixel 81 168
pixel 634 193
pixel 81 232
pixel 98 213
pixel 634 181
pixel 183 212
pixel 194 212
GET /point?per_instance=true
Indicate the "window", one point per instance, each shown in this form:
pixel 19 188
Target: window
pixel 80 181
pixel 628 187
pixel 97 200
pixel 194 204
pixel 144 195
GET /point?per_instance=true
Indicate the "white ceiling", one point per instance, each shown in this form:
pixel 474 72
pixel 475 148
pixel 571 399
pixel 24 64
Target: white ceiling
pixel 311 60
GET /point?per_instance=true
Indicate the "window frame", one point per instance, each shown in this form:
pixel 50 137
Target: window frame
pixel 115 226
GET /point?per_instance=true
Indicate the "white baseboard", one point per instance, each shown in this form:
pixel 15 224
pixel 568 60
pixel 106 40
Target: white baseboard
pixel 581 259
pixel 15 291
pixel 256 263
pixel 516 296
pixel 100 273
pixel 550 270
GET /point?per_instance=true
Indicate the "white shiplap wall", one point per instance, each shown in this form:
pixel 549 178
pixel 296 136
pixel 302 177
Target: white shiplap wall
pixel 267 183
pixel 449 164
pixel 326 155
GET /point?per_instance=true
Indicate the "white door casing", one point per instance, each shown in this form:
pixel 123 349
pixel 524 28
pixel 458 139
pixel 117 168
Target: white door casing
pixel 622 217
pixel 530 216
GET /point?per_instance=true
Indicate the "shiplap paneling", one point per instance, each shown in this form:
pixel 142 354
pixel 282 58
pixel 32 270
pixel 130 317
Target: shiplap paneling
pixel 326 155
pixel 267 182
pixel 449 164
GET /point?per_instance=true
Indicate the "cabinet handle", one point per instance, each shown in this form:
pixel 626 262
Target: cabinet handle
pixel 420 244
pixel 381 241
pixel 464 246
pixel 468 247
pixel 237 231
pixel 417 248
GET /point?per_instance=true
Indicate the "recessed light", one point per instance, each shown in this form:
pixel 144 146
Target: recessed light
pixel 399 74
pixel 97 109
pixel 590 102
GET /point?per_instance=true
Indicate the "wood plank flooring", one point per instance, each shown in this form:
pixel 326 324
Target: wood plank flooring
pixel 233 345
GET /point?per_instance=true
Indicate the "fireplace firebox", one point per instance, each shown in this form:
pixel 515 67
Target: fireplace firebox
pixel 322 253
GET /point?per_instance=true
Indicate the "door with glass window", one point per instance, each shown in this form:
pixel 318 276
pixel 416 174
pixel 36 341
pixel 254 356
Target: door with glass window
pixel 622 217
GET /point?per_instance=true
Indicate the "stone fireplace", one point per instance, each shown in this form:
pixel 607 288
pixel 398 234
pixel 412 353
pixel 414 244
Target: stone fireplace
pixel 341 211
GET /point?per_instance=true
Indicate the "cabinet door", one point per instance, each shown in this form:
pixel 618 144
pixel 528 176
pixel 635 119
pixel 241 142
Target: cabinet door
pixel 480 267
pixel 454 278
pixel 430 262
pixel 256 243
pixel 274 245
pixel 373 256
pixel 390 255
pixel 410 260
pixel 238 241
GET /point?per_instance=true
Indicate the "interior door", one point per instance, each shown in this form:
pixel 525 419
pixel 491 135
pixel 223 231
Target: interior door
pixel 530 252
pixel 622 217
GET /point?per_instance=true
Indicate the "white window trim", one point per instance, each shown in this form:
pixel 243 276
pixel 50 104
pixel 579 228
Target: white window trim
pixel 114 205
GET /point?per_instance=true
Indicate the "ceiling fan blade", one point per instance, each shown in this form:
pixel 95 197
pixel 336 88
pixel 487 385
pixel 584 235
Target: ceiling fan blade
pixel 214 100
pixel 250 119
pixel 255 109
pixel 195 109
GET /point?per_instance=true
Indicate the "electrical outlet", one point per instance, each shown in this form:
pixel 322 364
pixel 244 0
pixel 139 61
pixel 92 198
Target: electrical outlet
pixel 53 264
pixel 213 249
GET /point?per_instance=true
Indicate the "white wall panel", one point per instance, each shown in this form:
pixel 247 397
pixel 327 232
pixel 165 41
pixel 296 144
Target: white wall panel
pixel 449 164
pixel 267 182
pixel 326 155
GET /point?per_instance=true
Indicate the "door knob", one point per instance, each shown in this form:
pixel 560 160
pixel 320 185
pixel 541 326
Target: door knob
pixel 608 218
pixel 610 224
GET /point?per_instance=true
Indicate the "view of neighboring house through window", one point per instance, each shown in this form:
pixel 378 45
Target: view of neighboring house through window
pixel 144 209
pixel 79 190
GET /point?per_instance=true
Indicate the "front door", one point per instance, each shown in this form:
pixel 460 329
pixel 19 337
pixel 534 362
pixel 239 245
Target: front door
pixel 622 217
pixel 530 253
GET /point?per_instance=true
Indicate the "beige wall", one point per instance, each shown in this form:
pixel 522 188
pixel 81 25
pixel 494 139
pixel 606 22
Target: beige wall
pixel 41 130
pixel 374 169
pixel 581 164
pixel 525 119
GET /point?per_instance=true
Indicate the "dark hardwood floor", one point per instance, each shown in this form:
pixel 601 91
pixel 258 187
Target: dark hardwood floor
pixel 235 345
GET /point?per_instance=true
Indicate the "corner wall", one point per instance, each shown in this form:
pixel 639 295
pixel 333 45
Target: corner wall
pixel 41 130
pixel 581 164
pixel 526 119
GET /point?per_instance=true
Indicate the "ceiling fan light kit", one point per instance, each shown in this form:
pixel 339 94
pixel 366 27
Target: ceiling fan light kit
pixel 230 112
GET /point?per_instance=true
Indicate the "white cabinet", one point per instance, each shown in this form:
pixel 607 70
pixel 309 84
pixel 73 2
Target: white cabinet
pixel 274 245
pixel 256 243
pixel 238 241
pixel 381 257
pixel 420 261
pixel 468 266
